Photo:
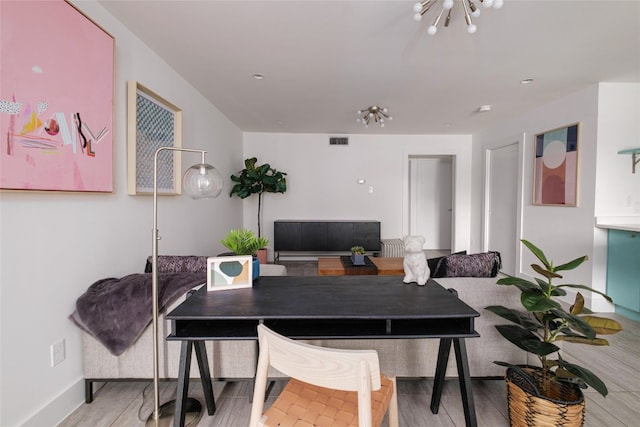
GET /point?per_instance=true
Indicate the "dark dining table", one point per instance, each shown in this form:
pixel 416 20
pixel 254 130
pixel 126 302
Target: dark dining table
pixel 326 307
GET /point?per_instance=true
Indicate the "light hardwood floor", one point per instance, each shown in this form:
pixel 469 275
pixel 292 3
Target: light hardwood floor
pixel 125 404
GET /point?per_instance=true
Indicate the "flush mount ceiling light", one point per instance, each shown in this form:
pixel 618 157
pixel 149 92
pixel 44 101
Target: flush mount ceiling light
pixel 373 114
pixel 469 9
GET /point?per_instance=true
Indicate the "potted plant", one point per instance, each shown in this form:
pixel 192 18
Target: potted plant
pixel 552 392
pixel 258 179
pixel 357 255
pixel 245 242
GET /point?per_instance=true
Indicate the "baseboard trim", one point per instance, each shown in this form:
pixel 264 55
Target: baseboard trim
pixel 59 408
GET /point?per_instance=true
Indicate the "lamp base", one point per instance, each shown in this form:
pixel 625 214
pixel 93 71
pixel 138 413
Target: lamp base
pixel 166 414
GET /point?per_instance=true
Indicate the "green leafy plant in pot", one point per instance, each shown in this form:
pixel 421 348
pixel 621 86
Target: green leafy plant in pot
pixel 543 323
pixel 258 179
pixel 245 242
pixel 357 255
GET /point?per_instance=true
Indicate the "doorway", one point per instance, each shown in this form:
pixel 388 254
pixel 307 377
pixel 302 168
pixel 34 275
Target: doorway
pixel 502 181
pixel 431 200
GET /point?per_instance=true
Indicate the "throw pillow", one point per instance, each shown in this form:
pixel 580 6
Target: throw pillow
pixel 486 264
pixel 433 264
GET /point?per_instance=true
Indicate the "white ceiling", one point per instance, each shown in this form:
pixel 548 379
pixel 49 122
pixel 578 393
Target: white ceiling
pixel 324 60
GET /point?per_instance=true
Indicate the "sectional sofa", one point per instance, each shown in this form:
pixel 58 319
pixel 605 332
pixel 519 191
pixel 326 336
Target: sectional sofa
pixel 235 360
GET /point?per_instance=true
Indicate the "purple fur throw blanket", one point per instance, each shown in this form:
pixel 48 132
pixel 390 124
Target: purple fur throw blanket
pixel 116 311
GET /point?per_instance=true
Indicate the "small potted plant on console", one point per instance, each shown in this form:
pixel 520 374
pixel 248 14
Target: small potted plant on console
pixel 357 255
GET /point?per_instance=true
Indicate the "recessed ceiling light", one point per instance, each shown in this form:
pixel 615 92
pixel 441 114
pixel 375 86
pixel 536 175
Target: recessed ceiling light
pixel 484 108
pixel 448 125
pixel 258 76
pixel 279 122
pixel 526 81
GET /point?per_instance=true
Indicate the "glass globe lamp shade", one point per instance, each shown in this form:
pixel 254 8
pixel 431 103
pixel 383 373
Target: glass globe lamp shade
pixel 202 181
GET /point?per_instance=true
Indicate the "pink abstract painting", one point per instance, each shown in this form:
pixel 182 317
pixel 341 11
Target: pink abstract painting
pixel 56 99
pixel 556 167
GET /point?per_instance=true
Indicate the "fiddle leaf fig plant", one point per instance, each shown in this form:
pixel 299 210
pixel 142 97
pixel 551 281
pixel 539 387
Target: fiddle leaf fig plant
pixel 258 179
pixel 544 322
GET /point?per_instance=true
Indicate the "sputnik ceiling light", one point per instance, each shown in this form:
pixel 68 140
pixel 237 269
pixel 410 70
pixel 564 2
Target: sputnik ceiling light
pixel 373 114
pixel 468 6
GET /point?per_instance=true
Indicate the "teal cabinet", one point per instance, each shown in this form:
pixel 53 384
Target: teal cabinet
pixel 623 271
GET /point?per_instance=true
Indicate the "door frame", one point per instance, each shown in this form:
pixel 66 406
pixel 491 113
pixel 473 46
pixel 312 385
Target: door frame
pixel 487 151
pixel 407 215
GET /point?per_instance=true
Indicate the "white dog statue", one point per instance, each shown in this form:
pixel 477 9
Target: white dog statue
pixel 415 264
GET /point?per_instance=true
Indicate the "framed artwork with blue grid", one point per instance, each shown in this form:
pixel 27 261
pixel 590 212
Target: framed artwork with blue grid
pixel 152 123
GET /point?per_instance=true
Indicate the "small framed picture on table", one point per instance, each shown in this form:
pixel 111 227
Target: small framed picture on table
pixel 229 272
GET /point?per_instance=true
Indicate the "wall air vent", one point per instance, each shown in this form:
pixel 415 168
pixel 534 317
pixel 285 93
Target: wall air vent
pixel 334 140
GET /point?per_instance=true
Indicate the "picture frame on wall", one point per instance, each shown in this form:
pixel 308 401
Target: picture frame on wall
pixel 555 176
pixel 152 123
pixel 56 99
pixel 229 272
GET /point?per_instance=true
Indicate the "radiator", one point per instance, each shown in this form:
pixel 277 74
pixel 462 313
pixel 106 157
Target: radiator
pixel 392 248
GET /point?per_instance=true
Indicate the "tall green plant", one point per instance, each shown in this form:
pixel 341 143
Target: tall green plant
pixel 257 179
pixel 546 322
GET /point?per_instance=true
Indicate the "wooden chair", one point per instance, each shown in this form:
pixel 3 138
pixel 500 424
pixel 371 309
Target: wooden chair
pixel 328 387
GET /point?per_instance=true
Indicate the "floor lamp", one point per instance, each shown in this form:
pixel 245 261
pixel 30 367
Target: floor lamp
pixel 200 181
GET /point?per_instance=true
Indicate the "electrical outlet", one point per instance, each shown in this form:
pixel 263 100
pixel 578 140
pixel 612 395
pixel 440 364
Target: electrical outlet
pixel 57 353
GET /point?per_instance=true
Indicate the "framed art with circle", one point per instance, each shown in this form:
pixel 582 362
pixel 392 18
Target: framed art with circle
pixel 555 176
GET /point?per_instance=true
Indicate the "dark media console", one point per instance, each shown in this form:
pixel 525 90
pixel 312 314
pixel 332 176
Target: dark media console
pixel 325 236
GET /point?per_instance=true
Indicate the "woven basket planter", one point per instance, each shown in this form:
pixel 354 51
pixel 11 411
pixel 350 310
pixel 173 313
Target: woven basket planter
pixel 528 408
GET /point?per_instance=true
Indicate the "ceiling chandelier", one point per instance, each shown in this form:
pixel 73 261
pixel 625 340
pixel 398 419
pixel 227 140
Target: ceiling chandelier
pixel 468 6
pixel 373 114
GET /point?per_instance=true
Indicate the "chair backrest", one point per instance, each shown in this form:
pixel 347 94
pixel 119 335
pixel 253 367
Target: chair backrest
pixel 349 370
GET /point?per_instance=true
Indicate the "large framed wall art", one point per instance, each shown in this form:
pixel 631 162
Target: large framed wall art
pixel 555 181
pixel 152 123
pixel 56 99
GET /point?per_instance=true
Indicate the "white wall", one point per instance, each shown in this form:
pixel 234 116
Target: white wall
pixel 322 179
pixel 618 129
pixel 55 245
pixel 608 116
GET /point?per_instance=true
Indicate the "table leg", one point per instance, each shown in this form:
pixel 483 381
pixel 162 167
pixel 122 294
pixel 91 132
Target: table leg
pixel 441 368
pixel 205 376
pixel 183 382
pixel 465 382
pixel 464 377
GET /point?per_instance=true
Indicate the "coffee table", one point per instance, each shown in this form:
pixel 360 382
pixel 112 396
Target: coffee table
pixel 332 266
